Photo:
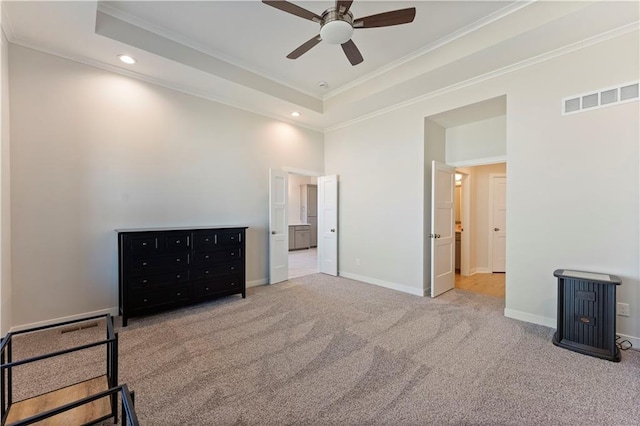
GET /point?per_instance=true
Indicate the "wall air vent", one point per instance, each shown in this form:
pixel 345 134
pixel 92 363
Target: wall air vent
pixel 623 93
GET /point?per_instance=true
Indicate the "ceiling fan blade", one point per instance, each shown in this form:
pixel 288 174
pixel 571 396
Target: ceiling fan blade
pixel 353 54
pixel 304 48
pixel 291 8
pixel 387 19
pixel 343 4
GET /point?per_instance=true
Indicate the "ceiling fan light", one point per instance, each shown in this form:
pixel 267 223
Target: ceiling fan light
pixel 336 32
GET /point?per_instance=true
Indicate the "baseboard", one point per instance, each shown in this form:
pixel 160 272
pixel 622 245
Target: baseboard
pixel 532 318
pixel 381 283
pixel 553 323
pixel 481 271
pixel 113 311
pixel 256 283
pixel 635 341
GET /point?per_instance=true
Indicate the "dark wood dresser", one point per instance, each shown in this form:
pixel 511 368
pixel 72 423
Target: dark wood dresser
pixel 162 268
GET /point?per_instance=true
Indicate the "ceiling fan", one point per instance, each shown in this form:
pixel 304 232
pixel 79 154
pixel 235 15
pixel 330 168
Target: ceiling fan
pixel 337 25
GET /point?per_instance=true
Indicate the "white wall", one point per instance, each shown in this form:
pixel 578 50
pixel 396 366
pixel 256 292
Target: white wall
pixel 485 139
pixel 93 151
pixel 5 193
pixel 573 191
pixel 380 194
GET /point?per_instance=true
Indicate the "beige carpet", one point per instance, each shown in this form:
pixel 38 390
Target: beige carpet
pixel 319 350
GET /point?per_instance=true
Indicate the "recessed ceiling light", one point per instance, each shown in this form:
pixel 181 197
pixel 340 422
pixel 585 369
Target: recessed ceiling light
pixel 127 59
pixel 295 114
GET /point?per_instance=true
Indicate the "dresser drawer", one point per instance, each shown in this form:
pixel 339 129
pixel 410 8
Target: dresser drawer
pixel 213 240
pixel 142 245
pixel 171 278
pixel 216 270
pixel 205 240
pixel 218 285
pixel 142 299
pixel 223 255
pixel 144 265
pixel 176 242
pixel 231 238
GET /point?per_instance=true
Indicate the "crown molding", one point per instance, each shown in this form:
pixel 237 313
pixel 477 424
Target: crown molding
pixel 600 38
pixel 6 24
pixel 618 32
pixel 495 16
pixel 166 33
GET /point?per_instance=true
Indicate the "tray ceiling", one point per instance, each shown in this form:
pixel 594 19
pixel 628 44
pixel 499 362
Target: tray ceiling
pixel 235 51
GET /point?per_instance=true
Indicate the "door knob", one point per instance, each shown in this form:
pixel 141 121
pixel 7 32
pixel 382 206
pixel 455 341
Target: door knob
pixel 496 229
pixel 273 232
pixel 333 230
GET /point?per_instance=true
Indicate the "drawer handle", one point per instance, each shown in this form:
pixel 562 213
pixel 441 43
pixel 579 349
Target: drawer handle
pixel 206 240
pixel 177 294
pixel 177 241
pixel 233 283
pixel 233 254
pixel 206 272
pixel 206 288
pixel 206 257
pixel 178 260
pixel 144 281
pixel 232 267
pixel 144 263
pixel 144 244
pixel 144 300
pixel 178 276
pixel 233 238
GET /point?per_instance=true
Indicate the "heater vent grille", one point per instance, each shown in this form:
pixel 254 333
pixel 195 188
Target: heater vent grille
pixel 623 93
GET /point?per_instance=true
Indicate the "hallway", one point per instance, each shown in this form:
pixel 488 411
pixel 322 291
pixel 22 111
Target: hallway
pixel 488 284
pixel 303 262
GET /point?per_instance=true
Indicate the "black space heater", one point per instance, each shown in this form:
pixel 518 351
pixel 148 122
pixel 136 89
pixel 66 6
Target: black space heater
pixel 587 313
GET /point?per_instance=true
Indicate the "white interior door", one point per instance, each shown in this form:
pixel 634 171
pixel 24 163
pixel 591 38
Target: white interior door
pixel 278 227
pixel 328 224
pixel 442 228
pixel 499 216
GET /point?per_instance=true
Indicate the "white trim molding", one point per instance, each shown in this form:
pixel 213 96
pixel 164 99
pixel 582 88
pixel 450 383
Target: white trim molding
pixel 635 341
pixel 386 284
pixel 256 283
pixel 111 311
pixel 553 323
pixel 532 318
pixel 600 38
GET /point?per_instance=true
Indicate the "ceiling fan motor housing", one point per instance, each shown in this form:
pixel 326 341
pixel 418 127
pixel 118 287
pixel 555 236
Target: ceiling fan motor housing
pixel 336 28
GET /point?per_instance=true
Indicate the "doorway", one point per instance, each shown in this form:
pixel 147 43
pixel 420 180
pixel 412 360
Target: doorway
pixel 280 238
pixel 464 137
pixel 303 225
pixel 480 209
